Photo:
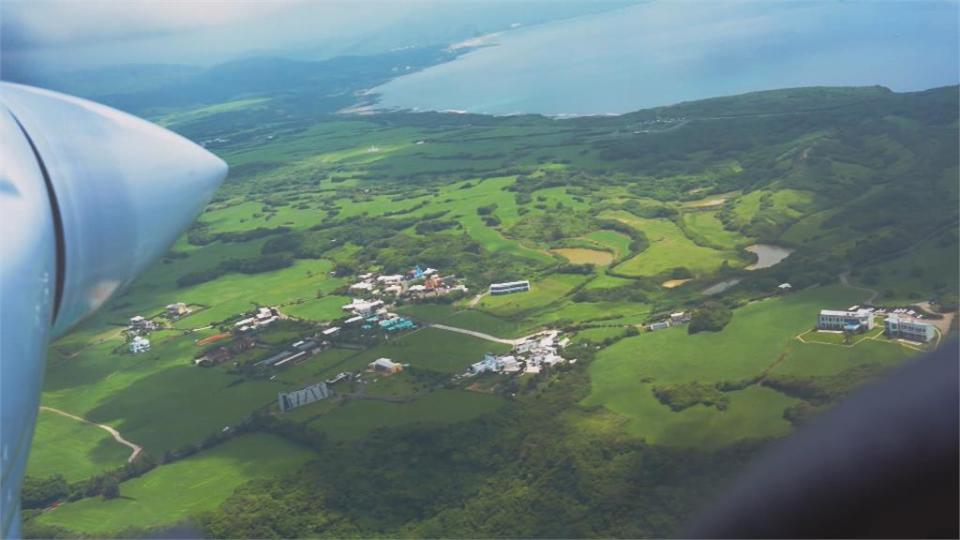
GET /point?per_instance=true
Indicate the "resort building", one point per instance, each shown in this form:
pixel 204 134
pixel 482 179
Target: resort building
pixel 847 321
pixel 509 287
pixel 904 328
pixel 139 345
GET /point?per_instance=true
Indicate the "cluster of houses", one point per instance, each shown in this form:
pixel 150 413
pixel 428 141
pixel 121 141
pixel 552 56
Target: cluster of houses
pixel 417 283
pixel 138 327
pixel 679 317
pixel 900 323
pixel 262 317
pixel 370 313
pixel 223 353
pixel 528 356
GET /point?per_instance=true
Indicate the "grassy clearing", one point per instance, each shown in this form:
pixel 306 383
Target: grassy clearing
pixel 669 248
pixel 356 419
pixel 171 493
pixel 618 242
pixel 327 308
pixel 151 397
pixel 585 256
pixel 707 227
pixel 435 350
pixel 72 449
pixel 469 319
pixel 541 293
pixel 759 335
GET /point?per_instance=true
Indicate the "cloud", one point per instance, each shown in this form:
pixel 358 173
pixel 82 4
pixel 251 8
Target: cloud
pixel 54 23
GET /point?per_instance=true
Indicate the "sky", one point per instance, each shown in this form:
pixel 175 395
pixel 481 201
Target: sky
pixel 63 35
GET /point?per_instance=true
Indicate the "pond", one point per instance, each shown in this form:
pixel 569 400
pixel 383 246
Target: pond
pixel 767 255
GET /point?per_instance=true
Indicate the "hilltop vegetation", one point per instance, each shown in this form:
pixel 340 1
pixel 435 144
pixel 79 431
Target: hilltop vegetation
pixel 616 221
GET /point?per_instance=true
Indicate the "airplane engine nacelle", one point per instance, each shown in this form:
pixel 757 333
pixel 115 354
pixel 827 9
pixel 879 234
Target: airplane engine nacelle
pixel 89 198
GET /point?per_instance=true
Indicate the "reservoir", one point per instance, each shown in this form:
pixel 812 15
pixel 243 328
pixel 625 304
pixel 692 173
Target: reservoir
pixel 767 255
pixel 660 53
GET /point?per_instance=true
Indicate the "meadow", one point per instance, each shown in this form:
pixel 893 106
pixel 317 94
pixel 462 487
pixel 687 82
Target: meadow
pixel 358 418
pixel 669 248
pixel 760 337
pixel 172 493
pixel 72 449
pixel 315 200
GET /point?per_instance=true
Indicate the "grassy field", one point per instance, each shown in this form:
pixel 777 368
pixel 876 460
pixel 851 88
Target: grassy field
pixel 72 449
pixel 541 293
pixel 585 256
pixel 151 398
pixel 469 319
pixel 760 335
pixel 356 419
pixel 171 493
pixel 434 350
pixel 708 229
pixel 669 248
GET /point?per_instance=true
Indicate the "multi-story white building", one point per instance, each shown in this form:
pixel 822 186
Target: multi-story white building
pixel 902 327
pixel 139 345
pixel 851 321
pixel 509 287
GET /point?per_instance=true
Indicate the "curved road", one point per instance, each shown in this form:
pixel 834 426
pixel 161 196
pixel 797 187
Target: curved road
pixel 114 433
pixel 481 335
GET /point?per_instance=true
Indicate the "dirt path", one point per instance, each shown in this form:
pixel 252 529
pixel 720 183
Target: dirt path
pixel 844 279
pixel 114 433
pixel 476 300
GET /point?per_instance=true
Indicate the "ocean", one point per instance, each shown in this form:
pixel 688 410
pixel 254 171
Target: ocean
pixel 660 53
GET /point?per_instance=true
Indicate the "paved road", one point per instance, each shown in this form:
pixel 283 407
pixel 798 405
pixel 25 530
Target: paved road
pixel 844 279
pixel 476 334
pixel 114 433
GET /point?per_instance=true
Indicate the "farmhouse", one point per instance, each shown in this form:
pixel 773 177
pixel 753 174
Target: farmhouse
pixel 385 365
pixel 661 325
pixel 177 310
pixel 509 287
pixel 140 324
pixel 139 345
pixel 897 326
pixel 849 321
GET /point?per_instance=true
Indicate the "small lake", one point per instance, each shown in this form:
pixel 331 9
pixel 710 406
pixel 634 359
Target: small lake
pixel 767 255
pixel 718 288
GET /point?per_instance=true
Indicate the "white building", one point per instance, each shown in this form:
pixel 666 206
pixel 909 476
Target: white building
pixel 362 307
pixel 139 345
pixel 396 278
pixel 902 327
pixel 178 309
pixel 850 321
pixel 362 286
pixel 385 365
pixel 509 287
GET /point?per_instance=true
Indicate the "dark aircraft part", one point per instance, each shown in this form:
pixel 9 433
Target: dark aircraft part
pixel 882 464
pixel 89 198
